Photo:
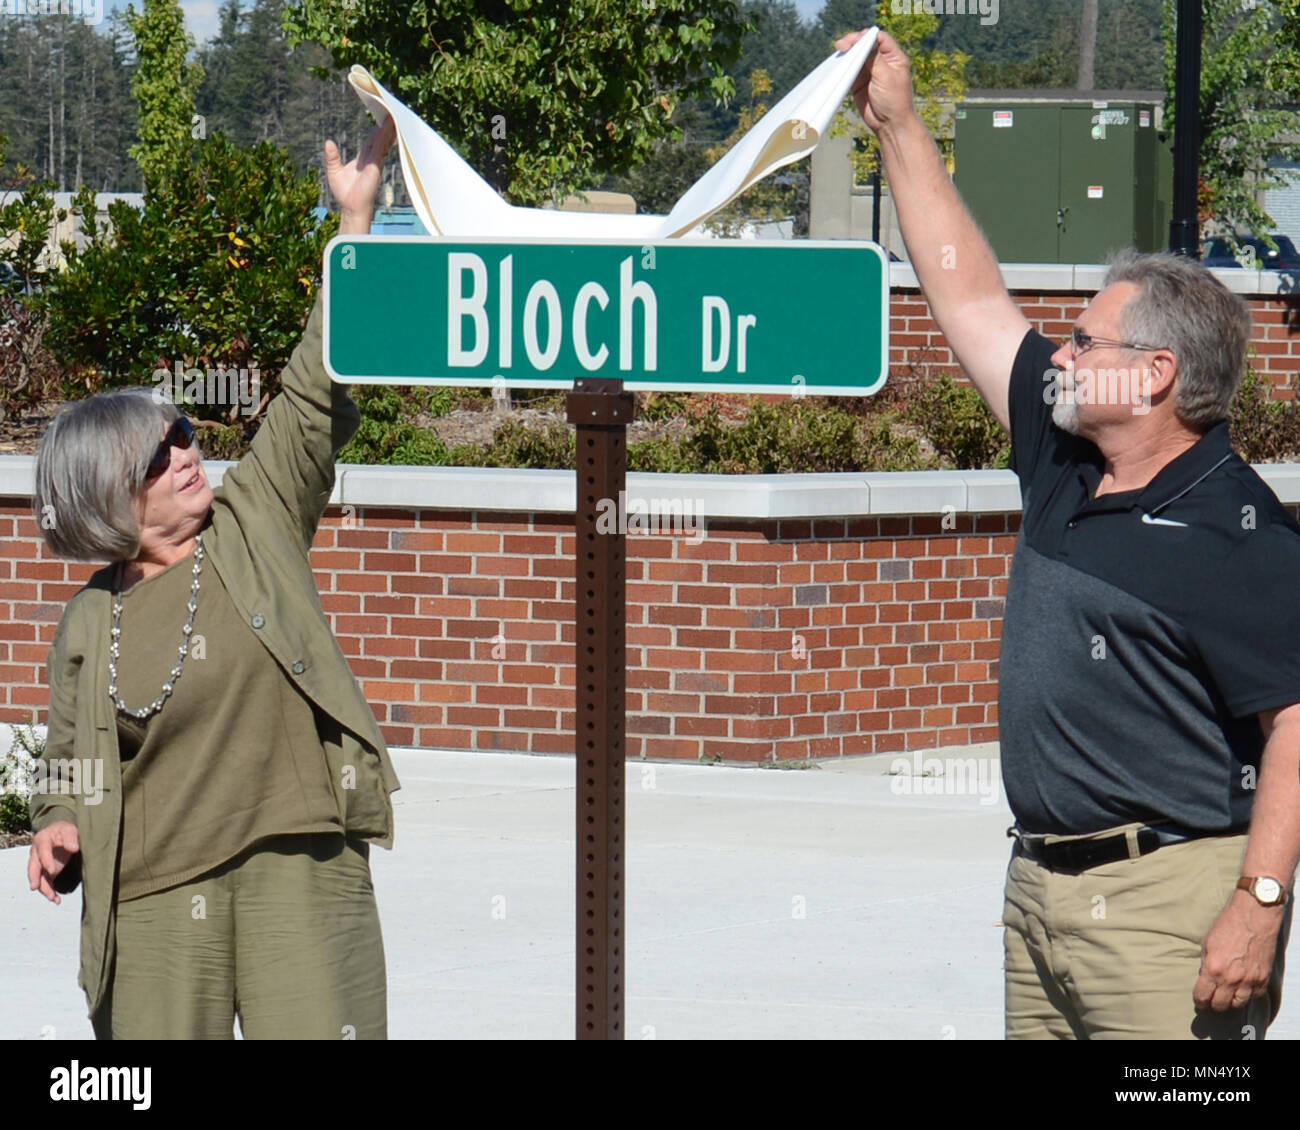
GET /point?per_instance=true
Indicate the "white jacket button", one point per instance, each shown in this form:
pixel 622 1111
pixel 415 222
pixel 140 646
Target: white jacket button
pixel 258 620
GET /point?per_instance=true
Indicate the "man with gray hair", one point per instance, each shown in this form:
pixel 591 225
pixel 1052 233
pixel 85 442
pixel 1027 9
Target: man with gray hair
pixel 1149 685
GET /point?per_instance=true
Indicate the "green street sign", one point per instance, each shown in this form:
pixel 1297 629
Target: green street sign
pixel 806 318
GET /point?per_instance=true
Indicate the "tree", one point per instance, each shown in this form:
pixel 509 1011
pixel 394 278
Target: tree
pixel 64 101
pixel 781 45
pixel 672 167
pixel 1039 45
pixel 258 88
pixel 541 99
pixel 772 198
pixel 1249 75
pixel 218 270
pixel 163 86
pixel 1087 47
pixel 938 79
pixel 782 48
pixel 838 17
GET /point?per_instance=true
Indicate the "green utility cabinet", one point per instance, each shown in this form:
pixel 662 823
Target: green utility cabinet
pixel 1064 182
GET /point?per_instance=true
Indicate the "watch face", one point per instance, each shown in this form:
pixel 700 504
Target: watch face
pixel 1268 890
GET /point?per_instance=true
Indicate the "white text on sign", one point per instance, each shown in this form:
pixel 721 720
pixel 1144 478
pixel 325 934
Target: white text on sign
pixel 469 292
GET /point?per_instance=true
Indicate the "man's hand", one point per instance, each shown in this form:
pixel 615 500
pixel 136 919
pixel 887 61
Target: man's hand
pixel 957 270
pixel 355 184
pixel 883 88
pixel 1237 954
pixel 52 848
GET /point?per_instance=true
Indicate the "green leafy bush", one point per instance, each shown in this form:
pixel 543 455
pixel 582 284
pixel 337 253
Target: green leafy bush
pixel 957 422
pixel 662 455
pixel 219 268
pixel 388 435
pixel 516 445
pixel 792 436
pixel 662 405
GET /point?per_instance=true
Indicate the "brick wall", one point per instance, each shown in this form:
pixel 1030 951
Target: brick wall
pixel 762 640
pixel 1275 330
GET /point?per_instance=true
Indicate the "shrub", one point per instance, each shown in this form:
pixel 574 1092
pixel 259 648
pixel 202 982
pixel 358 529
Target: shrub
pixel 957 422
pixel 17 778
pixel 516 445
pixel 662 405
pixel 387 434
pixel 219 268
pixel 1263 430
pixel 884 448
pixel 663 455
pixel 29 374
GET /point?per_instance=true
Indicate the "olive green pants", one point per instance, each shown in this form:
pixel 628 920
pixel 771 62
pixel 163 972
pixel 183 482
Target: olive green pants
pixel 1113 952
pixel 285 936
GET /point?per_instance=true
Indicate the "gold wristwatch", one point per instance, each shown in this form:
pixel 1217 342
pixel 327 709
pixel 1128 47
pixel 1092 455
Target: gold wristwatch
pixel 1267 892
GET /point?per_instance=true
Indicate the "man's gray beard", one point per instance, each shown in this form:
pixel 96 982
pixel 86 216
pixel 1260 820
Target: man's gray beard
pixel 1065 415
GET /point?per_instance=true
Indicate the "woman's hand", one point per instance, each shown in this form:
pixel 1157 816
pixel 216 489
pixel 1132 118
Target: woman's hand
pixel 354 185
pixel 52 847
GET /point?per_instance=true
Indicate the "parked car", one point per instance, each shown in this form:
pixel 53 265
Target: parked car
pixel 1218 253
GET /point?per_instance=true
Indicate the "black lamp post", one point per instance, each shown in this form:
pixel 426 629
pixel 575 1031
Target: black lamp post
pixel 1184 229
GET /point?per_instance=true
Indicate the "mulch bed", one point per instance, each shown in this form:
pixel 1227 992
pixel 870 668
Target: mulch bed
pixel 15 839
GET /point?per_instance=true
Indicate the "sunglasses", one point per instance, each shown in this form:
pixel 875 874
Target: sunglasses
pixel 180 435
pixel 1082 342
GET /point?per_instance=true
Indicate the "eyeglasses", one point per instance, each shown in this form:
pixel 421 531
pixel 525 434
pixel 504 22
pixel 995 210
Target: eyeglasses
pixel 180 435
pixel 1083 342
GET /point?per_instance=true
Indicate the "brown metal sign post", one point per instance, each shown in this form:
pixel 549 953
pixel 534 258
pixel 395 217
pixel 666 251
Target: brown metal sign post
pixel 601 410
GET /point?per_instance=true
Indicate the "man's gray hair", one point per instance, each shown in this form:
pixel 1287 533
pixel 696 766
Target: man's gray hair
pixel 89 469
pixel 1184 308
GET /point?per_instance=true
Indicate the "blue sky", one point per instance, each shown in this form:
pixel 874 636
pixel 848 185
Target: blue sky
pixel 201 18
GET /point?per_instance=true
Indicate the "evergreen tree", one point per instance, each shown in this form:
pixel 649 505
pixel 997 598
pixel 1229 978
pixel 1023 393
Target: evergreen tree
pixel 65 101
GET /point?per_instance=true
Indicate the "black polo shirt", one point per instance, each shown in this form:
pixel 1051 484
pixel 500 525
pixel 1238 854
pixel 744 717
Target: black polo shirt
pixel 1143 631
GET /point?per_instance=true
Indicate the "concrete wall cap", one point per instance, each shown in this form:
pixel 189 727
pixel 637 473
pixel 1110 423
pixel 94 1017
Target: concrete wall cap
pixel 712 496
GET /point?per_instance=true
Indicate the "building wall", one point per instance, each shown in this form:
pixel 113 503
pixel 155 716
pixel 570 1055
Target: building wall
pixel 1052 297
pixel 764 640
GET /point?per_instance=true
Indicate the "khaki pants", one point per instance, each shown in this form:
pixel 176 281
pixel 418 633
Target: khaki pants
pixel 285 936
pixel 1114 952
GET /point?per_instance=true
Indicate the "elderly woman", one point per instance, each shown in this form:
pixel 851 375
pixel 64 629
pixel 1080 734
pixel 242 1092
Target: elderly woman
pixel 225 862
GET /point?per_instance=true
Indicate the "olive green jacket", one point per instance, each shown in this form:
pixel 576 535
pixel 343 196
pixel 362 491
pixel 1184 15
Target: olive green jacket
pixel 264 516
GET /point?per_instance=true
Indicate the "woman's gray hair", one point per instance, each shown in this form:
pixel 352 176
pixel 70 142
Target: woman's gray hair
pixel 90 466
pixel 1184 308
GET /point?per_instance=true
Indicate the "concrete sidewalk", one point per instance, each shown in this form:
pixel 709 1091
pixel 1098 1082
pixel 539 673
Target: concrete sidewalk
pixel 827 902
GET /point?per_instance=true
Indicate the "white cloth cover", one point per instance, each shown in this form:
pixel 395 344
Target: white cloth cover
pixel 451 199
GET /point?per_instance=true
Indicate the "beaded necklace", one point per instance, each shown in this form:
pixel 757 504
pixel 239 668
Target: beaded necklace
pixel 193 606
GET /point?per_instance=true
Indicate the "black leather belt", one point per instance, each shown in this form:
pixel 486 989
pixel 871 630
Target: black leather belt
pixel 1079 855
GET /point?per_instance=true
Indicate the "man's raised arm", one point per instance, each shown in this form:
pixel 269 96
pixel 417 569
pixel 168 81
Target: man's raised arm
pixel 954 264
